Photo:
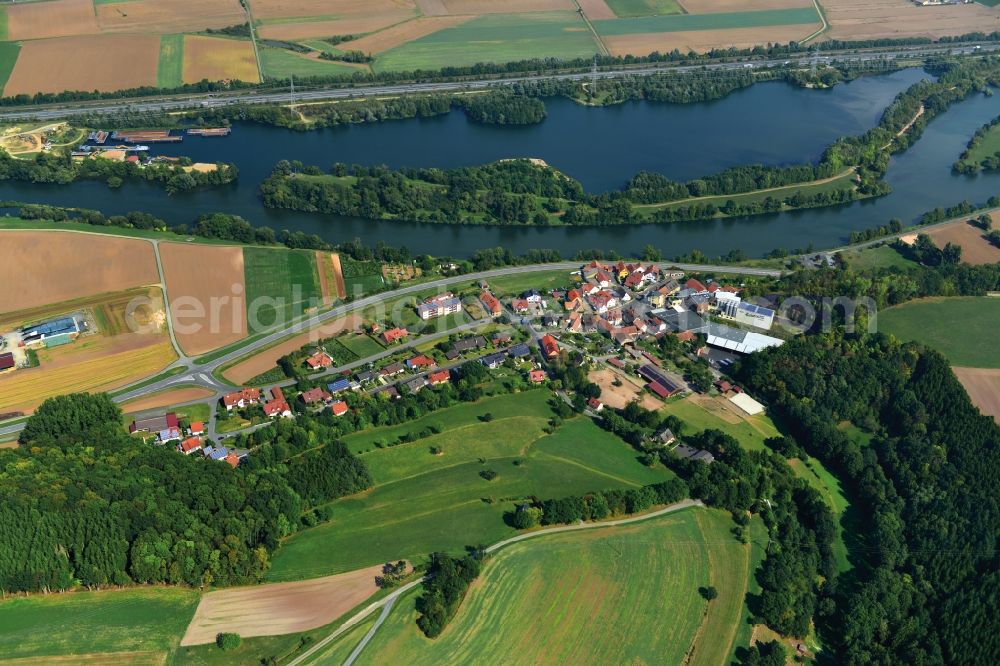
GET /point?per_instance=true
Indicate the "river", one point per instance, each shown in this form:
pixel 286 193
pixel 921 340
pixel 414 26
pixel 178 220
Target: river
pixel 771 123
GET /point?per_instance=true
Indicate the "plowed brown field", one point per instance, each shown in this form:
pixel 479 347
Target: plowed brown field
pixel 975 249
pixel 870 19
pixel 168 16
pixel 506 7
pixel 88 62
pixel 212 277
pixel 61 18
pixel 53 266
pixel 349 25
pixel 216 59
pixel 704 40
pixel 266 9
pixel 166 399
pixel 619 396
pixel 983 387
pixel 596 9
pixel 279 608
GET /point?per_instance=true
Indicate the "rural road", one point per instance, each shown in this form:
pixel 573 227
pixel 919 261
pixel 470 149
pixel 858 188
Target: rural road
pixel 195 374
pixel 387 602
pixel 256 96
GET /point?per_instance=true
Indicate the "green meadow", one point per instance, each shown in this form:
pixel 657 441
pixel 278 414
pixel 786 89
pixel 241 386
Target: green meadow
pixel 8 53
pixel 426 500
pixel 630 8
pixel 279 274
pixel 132 620
pixel 956 327
pixel 170 71
pixel 495 38
pixel 720 21
pixel 280 64
pixel 614 595
pixel 751 432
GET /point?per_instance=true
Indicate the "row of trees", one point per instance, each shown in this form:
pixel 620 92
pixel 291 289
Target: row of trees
pixel 448 579
pixel 926 487
pixel 597 505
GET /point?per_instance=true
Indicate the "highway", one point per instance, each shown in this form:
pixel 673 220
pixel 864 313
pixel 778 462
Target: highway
pixel 257 96
pixel 194 374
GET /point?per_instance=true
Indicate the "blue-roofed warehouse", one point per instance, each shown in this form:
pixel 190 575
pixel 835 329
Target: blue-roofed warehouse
pixel 62 330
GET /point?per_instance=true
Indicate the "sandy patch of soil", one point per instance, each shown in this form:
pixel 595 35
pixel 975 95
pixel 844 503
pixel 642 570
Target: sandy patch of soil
pixel 619 396
pixel 279 608
pixel 983 387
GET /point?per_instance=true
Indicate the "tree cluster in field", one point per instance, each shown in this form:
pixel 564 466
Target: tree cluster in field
pixel 82 503
pixel 347 56
pixel 448 579
pixel 926 489
pixel 392 574
pixel 62 169
pixel 924 251
pixel 597 505
pixel 238 30
pixel 799 521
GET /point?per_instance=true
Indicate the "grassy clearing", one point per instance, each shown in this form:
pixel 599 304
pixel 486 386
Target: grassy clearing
pixel 515 285
pixel 280 64
pixel 361 346
pixel 883 256
pixel 631 8
pixel 170 71
pixel 132 620
pixel 956 327
pixel 577 598
pixel 699 414
pixel 829 486
pixel 290 276
pixel 424 502
pixel 3 23
pixel 361 277
pixel 495 38
pixel 721 21
pixel 987 147
pixel 842 182
pixel 8 53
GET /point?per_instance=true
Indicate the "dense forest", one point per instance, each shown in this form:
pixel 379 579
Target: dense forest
pixel 989 163
pixel 928 486
pixel 500 108
pixel 82 503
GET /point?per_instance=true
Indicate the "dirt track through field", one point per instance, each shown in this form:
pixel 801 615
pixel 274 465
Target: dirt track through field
pixel 976 250
pixel 267 359
pixel 168 16
pixel 596 10
pixel 40 20
pixel 166 399
pixel 52 266
pixel 279 608
pixel 338 276
pixel 403 33
pixel 209 276
pixel 704 40
pixel 89 62
pixel 983 387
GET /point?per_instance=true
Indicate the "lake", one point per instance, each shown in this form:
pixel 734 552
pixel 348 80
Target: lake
pixel 771 123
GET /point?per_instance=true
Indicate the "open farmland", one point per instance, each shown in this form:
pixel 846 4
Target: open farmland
pixel 720 6
pixel 284 9
pixel 265 360
pixel 402 33
pixel 983 387
pixel 701 412
pixel 423 502
pixel 148 620
pixel 216 59
pixel 281 284
pixel 596 9
pixel 961 328
pixel 87 62
pixel 629 8
pixel 282 63
pixel 167 16
pixel 208 277
pixel 59 18
pixel 495 38
pixel 281 608
pixel 576 598
pixel 51 267
pixel 976 249
pixel 457 7
pixel 704 40
pixel 894 19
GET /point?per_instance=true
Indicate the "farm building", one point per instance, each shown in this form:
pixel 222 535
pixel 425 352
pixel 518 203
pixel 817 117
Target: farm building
pixel 154 423
pixel 51 333
pixel 659 382
pixel 747 404
pixel 7 362
pixel 742 342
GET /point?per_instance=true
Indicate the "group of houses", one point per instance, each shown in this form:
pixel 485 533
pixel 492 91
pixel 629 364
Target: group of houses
pixel 166 429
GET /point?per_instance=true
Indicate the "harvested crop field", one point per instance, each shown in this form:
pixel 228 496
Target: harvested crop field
pixel 88 62
pixel 432 7
pixel 596 9
pixel 168 16
pixel 338 275
pixel 506 7
pixel 277 9
pixel 280 608
pixel 52 266
pixel 267 359
pixel 976 250
pixel 41 20
pixel 704 40
pixel 403 33
pixel 348 25
pixel 619 396
pixel 715 6
pixel 210 278
pixel 216 59
pixel 166 399
pixel 983 387
pixel 871 19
